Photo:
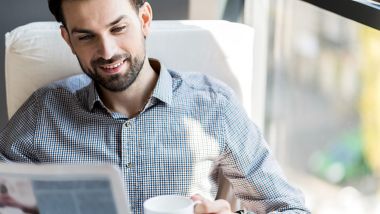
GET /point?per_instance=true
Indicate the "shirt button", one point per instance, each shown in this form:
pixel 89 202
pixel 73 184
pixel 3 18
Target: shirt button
pixel 127 124
pixel 130 165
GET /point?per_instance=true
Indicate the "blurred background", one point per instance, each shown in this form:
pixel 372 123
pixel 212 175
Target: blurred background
pixel 322 106
pixel 318 91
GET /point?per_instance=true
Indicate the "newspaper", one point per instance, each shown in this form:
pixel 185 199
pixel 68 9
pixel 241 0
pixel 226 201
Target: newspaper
pixel 61 189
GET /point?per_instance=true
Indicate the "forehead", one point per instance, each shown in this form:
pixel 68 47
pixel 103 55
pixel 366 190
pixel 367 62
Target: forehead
pixel 95 13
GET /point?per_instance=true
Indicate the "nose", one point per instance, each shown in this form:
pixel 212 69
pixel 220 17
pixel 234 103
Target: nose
pixel 106 48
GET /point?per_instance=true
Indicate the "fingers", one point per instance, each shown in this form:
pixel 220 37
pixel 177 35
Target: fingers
pixel 197 197
pixel 207 207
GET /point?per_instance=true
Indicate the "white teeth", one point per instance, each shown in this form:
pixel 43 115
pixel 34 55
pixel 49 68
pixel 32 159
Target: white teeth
pixel 113 66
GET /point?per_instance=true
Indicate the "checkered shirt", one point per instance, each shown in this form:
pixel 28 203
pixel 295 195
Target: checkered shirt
pixel 192 127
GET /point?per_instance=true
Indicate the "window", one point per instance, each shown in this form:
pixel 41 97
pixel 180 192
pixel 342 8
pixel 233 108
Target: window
pixel 323 106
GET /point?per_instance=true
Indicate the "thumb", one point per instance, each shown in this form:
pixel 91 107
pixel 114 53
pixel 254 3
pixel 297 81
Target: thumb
pixel 197 197
pixel 199 206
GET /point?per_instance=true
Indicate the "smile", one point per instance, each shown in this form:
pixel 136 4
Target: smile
pixel 113 66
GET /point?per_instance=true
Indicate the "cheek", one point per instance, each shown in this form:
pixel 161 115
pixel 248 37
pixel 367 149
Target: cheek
pixel 136 48
pixel 85 64
pixel 133 42
pixel 85 58
pixel 84 54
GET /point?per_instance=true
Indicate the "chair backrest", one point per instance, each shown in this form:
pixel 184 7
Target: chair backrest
pixel 36 55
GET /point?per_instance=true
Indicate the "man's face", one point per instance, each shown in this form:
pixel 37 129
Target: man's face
pixel 107 36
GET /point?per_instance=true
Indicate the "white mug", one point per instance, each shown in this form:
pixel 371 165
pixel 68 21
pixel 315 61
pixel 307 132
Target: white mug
pixel 169 204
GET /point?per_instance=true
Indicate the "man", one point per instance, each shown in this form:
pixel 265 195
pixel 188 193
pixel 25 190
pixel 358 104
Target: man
pixel 169 132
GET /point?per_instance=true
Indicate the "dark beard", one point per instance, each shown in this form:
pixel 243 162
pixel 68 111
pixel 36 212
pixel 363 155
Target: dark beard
pixel 116 82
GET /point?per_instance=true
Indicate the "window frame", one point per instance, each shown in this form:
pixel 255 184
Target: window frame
pixel 362 11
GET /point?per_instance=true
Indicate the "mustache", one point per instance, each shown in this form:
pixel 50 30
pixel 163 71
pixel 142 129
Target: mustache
pixel 101 61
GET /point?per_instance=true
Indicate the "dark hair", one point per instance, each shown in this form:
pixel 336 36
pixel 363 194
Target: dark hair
pixel 55 7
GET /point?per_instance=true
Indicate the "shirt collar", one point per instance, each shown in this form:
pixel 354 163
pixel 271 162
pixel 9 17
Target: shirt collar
pixel 93 96
pixel 164 87
pixel 162 91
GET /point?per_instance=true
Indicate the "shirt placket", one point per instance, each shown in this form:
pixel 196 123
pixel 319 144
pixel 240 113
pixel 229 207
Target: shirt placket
pixel 129 158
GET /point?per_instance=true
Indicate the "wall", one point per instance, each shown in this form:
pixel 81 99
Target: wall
pixel 14 13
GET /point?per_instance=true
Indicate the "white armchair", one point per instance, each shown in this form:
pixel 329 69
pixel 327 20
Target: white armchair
pixel 36 55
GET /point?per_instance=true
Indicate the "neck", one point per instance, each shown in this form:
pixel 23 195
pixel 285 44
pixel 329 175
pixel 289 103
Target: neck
pixel 132 101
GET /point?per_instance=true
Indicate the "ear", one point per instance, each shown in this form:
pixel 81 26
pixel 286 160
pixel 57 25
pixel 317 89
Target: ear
pixel 65 35
pixel 146 16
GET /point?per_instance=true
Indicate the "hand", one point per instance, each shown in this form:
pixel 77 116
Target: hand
pixel 7 201
pixel 211 207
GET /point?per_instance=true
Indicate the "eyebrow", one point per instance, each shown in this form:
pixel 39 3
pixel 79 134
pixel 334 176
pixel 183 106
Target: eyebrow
pixel 117 20
pixel 78 30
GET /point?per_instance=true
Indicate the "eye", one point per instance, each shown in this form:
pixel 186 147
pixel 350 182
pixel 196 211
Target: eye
pixel 118 29
pixel 85 37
